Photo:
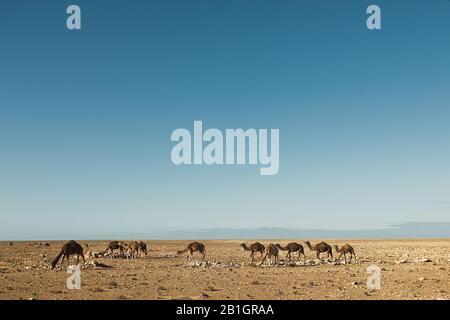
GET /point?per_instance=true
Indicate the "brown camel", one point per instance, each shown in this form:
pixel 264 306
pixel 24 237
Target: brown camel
pixel 254 247
pixel 271 251
pixel 113 245
pixel 292 247
pixel 319 248
pixel 344 250
pixel 68 249
pixel 134 248
pixel 143 247
pixel 193 247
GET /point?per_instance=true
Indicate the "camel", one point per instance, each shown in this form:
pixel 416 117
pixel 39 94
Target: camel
pixel 143 247
pixel 193 247
pixel 113 245
pixel 271 251
pixel 68 249
pixel 319 248
pixel 292 247
pixel 344 250
pixel 134 248
pixel 254 247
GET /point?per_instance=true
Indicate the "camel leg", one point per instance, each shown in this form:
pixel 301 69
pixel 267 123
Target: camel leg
pixel 263 259
pixel 251 256
pixel 78 258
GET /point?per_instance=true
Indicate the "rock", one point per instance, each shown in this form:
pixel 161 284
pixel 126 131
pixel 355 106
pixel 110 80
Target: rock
pixel 423 260
pixel 96 264
pixel 214 264
pixel 401 261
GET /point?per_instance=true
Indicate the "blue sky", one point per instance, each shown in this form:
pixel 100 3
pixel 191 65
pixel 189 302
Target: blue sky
pixel 86 116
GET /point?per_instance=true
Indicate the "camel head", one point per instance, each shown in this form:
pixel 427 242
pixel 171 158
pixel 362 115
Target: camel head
pixel 243 246
pixel 309 245
pixel 336 248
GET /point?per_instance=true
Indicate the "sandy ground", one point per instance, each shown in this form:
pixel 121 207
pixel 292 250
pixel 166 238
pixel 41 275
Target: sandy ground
pixel 410 269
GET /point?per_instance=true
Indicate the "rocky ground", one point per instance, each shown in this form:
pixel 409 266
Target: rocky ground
pixel 410 269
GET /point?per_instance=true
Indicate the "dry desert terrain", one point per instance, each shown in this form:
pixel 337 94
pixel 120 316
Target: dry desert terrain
pixel 410 269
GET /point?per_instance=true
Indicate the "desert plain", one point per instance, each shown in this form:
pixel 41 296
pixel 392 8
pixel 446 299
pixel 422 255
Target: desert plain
pixel 410 269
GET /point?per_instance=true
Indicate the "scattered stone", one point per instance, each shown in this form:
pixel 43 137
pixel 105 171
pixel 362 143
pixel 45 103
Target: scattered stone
pixel 423 260
pixel 97 265
pixel 214 264
pixel 401 261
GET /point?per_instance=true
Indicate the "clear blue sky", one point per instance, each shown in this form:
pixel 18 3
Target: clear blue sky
pixel 86 116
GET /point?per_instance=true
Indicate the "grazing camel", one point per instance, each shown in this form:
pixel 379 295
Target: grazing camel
pixel 292 247
pixel 143 247
pixel 10 244
pixel 113 245
pixel 68 249
pixel 319 248
pixel 193 247
pixel 271 251
pixel 134 248
pixel 254 247
pixel 344 250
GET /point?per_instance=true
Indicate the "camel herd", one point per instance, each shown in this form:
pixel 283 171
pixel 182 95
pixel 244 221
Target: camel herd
pixel 133 250
pixel 272 250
